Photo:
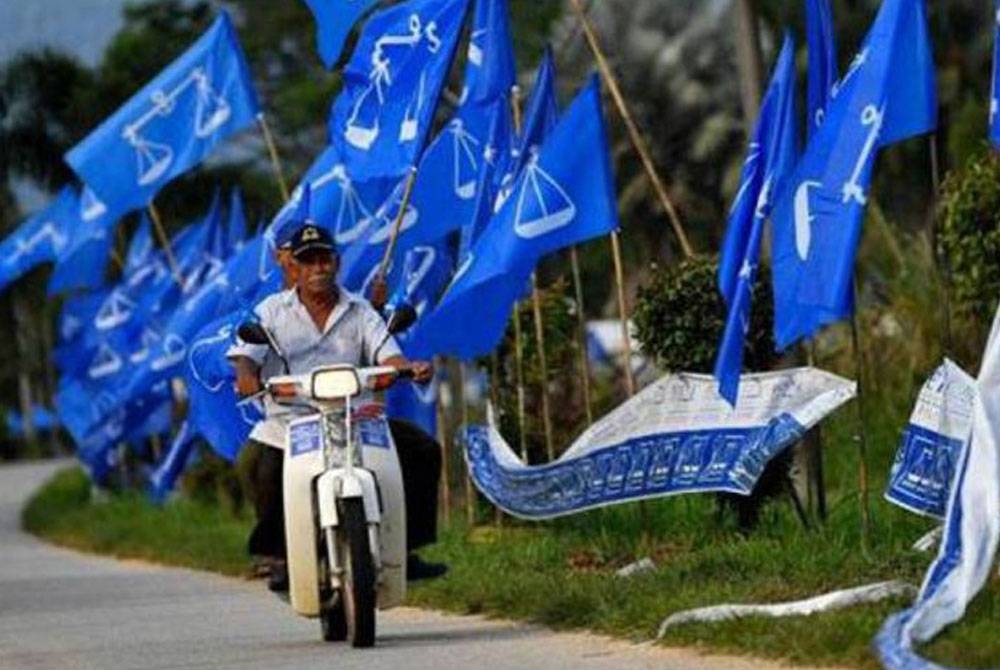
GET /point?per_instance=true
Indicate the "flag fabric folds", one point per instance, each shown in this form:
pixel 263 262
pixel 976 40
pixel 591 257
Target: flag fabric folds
pixel 42 238
pixel 822 61
pixel 564 195
pixel 887 95
pixel 391 86
pixel 770 158
pixel 170 125
pixel 334 20
pixel 971 530
pixel 82 264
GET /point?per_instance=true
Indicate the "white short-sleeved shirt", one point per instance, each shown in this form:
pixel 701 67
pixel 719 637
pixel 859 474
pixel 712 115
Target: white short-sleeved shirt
pixel 351 333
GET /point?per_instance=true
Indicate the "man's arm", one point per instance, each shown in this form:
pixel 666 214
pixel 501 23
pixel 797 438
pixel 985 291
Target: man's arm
pixel 422 370
pixel 247 375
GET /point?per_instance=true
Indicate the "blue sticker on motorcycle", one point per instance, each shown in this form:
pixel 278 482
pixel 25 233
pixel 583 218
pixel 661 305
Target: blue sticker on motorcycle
pixel 374 433
pixel 305 437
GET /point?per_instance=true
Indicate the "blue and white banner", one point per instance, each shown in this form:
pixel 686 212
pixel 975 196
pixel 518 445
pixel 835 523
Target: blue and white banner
pixel 170 125
pixel 971 531
pixel 921 476
pixel 391 86
pixel 334 20
pixel 994 89
pixel 677 436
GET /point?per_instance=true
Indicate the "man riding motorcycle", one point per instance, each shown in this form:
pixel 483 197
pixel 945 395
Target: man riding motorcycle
pixel 316 322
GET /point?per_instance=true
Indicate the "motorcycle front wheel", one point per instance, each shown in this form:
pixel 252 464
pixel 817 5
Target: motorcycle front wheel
pixel 358 595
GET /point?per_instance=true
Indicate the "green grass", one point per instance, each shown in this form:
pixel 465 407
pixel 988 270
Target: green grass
pixel 561 574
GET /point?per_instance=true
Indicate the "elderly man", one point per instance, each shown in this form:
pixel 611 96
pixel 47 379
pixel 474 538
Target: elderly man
pixel 316 322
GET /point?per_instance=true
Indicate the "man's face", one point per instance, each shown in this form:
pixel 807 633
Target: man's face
pixel 316 270
pixel 289 268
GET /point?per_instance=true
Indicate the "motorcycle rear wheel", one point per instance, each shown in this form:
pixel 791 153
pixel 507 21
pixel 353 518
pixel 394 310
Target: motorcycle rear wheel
pixel 358 589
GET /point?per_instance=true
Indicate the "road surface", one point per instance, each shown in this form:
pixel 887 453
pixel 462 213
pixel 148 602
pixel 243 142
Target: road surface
pixel 62 609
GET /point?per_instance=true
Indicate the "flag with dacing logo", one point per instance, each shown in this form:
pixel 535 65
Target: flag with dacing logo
pixel 171 124
pixel 887 95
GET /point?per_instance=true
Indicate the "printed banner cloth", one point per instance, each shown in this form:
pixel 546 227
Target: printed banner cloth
pixel 921 476
pixel 677 436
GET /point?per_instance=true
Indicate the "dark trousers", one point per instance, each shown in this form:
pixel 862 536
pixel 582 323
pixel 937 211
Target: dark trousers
pixel 262 467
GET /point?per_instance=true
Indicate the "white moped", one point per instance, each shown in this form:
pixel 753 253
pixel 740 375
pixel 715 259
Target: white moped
pixel 345 512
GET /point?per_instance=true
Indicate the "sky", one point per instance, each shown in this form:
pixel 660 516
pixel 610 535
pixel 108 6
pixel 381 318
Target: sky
pixel 79 27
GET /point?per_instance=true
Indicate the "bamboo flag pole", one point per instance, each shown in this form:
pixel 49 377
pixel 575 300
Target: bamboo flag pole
pixel 581 321
pixel 633 130
pixel 519 381
pixel 862 437
pixel 272 149
pixel 536 301
pixel 470 493
pixel 442 436
pixel 161 233
pixel 616 253
pixel 398 222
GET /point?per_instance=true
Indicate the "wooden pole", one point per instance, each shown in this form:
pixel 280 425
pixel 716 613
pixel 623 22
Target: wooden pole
pixel 581 321
pixel 862 437
pixel 161 234
pixel 470 493
pixel 536 301
pixel 398 222
pixel 522 423
pixel 637 141
pixel 442 436
pixel 272 150
pixel 616 253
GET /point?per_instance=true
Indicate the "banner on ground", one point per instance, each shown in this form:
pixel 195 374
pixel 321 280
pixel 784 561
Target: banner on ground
pixel 922 473
pixel 677 436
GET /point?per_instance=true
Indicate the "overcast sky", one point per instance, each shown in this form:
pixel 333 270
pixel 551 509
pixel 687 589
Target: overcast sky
pixel 80 27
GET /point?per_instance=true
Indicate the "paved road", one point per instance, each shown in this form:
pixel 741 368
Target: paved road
pixel 61 609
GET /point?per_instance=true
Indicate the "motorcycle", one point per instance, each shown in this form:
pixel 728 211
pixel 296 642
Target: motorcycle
pixel 345 512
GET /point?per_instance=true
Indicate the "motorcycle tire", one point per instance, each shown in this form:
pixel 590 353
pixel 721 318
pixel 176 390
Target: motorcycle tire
pixel 333 623
pixel 359 575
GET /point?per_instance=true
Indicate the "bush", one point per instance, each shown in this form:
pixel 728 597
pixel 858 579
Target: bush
pixel 679 317
pixel 968 236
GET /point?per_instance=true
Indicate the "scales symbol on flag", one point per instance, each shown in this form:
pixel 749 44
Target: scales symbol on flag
pixel 387 214
pixel 542 204
pixel 211 113
pixel 411 117
pixel 353 217
pixel 115 311
pixel 174 351
pixel 464 146
pixel 363 126
pixel 419 261
pixel 149 339
pixel 90 207
pixel 26 246
pixel 225 334
pixel 106 362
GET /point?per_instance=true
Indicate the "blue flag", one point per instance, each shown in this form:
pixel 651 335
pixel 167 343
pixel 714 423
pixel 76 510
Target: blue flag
pixel 490 71
pixel 170 125
pixel 887 95
pixel 541 114
pixel 163 479
pixel 564 195
pixel 141 247
pixel 391 86
pixel 770 159
pixel 334 20
pixel 995 89
pixel 215 412
pixel 822 61
pixel 40 239
pixel 236 226
pixel 82 264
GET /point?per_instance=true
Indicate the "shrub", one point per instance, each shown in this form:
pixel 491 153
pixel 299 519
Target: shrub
pixel 679 317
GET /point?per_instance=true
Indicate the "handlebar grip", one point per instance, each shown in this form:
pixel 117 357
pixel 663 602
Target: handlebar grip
pixel 407 373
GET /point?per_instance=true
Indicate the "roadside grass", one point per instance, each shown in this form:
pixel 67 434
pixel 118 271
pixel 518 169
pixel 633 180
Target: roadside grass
pixel 183 532
pixel 561 573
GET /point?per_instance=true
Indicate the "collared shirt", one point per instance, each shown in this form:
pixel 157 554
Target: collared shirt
pixel 350 335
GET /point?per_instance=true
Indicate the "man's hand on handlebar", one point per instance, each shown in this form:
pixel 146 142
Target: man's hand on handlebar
pixel 247 377
pixel 423 371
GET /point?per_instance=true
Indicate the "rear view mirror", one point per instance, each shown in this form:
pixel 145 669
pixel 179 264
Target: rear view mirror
pixel 402 318
pixel 253 333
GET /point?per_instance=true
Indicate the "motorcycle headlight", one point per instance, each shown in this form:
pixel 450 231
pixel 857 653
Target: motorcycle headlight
pixel 335 383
